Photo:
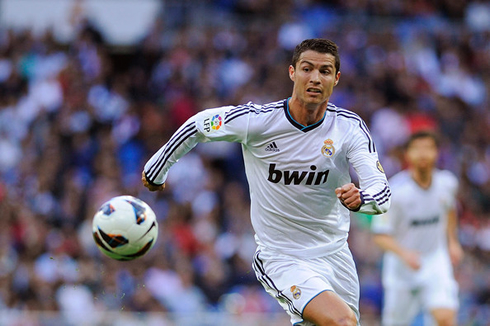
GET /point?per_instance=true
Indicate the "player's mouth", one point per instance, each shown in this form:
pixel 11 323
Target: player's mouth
pixel 312 90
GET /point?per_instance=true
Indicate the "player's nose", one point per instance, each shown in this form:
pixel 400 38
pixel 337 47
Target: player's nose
pixel 315 76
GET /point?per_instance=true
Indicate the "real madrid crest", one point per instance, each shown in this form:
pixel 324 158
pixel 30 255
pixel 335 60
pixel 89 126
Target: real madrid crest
pixel 296 291
pixel 328 150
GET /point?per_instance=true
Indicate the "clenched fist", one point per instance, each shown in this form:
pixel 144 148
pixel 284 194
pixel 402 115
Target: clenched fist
pixel 350 196
pixel 151 187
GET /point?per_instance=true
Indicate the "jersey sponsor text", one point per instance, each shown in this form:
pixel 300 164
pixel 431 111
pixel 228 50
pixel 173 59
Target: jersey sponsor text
pixel 297 177
pixel 429 221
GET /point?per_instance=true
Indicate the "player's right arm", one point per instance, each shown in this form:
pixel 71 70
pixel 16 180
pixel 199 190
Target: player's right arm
pixel 227 123
pixel 151 187
pixel 388 243
pixel 383 228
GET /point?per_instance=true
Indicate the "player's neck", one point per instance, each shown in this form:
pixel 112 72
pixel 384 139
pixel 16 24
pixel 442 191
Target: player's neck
pixel 422 177
pixel 306 114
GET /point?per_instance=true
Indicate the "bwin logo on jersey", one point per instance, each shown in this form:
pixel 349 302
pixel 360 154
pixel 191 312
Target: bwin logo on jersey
pixel 297 177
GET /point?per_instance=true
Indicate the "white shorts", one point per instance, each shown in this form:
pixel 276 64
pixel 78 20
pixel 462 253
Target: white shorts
pixel 435 287
pixel 295 282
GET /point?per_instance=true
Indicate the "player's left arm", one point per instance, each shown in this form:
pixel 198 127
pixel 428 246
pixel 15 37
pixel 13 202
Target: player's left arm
pixel 374 192
pixel 454 246
pixel 350 196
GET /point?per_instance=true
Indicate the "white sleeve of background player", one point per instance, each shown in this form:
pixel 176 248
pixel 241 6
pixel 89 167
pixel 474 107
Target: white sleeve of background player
pixel 375 190
pixel 452 185
pixel 381 224
pixel 386 223
pixel 223 123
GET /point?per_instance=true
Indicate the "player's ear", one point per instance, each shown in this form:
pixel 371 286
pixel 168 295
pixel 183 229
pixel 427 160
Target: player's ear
pixel 291 72
pixel 337 78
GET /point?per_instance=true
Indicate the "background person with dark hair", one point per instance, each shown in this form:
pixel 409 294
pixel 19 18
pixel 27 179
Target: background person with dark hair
pixel 420 237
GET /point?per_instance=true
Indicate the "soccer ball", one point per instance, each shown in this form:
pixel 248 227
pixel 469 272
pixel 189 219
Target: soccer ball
pixel 125 228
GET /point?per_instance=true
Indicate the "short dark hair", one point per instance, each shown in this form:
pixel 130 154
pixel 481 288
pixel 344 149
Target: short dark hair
pixel 422 134
pixel 320 45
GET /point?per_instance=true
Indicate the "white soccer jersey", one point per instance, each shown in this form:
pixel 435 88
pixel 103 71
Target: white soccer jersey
pixel 418 221
pixel 292 171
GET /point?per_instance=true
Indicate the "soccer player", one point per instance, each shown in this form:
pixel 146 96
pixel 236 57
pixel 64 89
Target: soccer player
pixel 297 153
pixel 419 235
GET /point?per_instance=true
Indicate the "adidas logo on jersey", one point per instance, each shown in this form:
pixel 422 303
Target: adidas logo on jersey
pixel 272 147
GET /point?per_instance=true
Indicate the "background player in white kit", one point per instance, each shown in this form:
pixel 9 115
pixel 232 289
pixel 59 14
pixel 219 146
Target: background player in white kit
pixel 419 234
pixel 297 153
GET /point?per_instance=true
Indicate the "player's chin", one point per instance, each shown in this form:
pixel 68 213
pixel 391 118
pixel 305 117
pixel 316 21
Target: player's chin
pixel 425 166
pixel 315 98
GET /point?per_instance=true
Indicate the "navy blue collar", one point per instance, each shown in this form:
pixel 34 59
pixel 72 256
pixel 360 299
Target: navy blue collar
pixel 296 123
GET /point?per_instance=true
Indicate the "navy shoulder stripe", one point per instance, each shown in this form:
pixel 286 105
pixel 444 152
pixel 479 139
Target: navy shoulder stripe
pixel 362 125
pixel 251 108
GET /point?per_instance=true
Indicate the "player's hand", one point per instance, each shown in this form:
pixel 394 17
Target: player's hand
pixel 150 186
pixel 455 252
pixel 412 259
pixel 349 195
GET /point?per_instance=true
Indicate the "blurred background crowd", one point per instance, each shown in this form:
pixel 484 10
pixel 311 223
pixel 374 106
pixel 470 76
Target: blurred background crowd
pixel 79 119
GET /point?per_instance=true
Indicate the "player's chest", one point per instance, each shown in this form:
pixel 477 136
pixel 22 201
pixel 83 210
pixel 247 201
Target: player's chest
pixel 425 208
pixel 314 150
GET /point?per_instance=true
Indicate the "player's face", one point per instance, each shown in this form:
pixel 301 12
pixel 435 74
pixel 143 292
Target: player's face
pixel 422 153
pixel 314 77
